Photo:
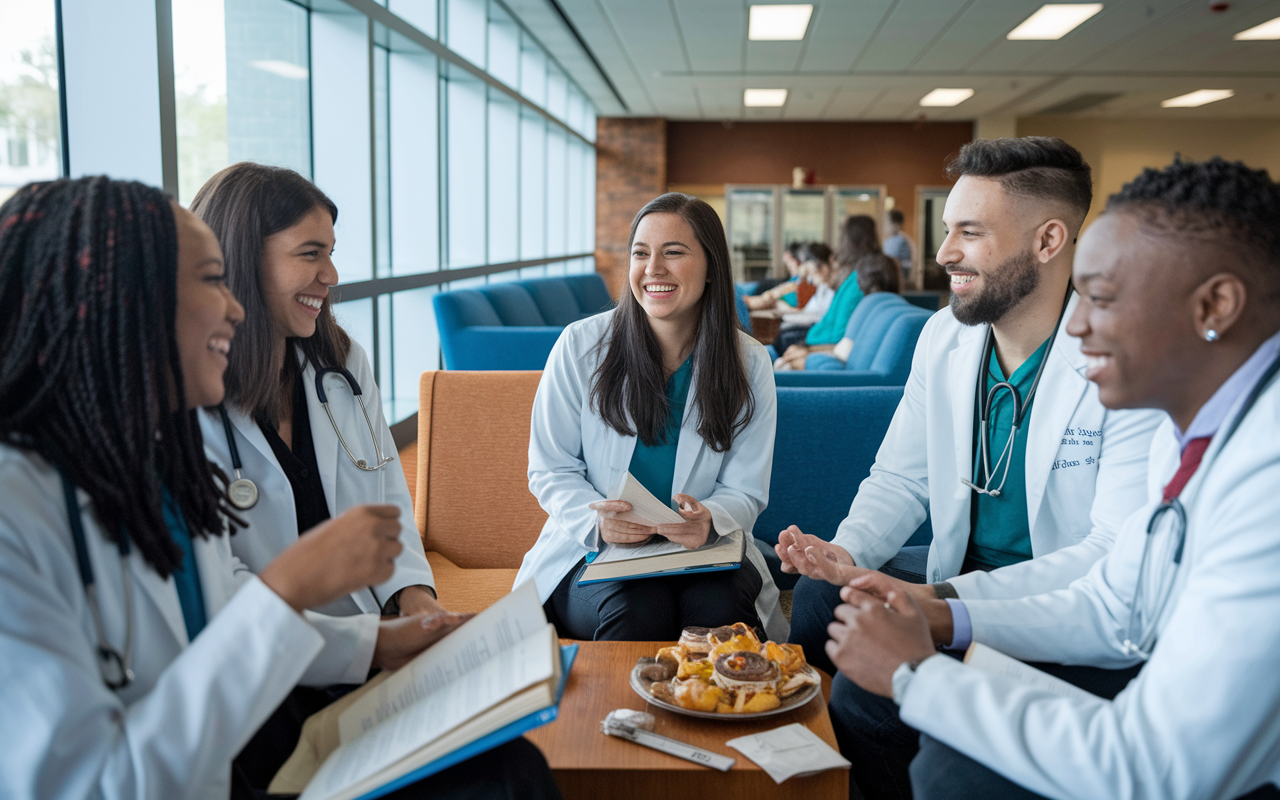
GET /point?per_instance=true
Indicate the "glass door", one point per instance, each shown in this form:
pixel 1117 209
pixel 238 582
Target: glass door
pixel 804 216
pixel 752 231
pixel 847 201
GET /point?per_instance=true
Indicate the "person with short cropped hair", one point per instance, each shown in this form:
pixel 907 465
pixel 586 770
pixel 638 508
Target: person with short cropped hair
pixel 896 244
pixel 999 439
pixel 1180 312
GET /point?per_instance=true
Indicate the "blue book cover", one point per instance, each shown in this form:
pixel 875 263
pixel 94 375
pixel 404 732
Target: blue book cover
pixel 485 743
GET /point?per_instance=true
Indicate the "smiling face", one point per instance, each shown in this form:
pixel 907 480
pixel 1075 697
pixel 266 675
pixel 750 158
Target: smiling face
pixel 1134 320
pixel 207 312
pixel 668 273
pixel 987 250
pixel 297 271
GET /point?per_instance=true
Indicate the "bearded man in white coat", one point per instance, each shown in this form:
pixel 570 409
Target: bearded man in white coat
pixel 999 437
pixel 1180 281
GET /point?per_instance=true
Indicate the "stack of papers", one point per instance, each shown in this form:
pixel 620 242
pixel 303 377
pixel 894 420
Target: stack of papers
pixel 788 752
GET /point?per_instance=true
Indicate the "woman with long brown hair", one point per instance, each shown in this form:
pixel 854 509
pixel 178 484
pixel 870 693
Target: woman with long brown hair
pixel 667 388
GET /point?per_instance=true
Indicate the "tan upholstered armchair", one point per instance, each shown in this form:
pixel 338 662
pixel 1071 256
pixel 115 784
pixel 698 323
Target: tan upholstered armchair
pixel 472 502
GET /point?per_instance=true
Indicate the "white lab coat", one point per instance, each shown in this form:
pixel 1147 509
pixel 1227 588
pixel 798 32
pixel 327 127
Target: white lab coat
pixel 1086 467
pixel 273 522
pixel 574 458
pixel 1202 719
pixel 172 732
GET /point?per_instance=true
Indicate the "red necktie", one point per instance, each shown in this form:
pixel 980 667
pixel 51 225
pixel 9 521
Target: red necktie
pixel 1191 455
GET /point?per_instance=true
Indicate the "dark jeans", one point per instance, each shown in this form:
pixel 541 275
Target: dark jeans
pixel 881 746
pixel 653 609
pixel 940 772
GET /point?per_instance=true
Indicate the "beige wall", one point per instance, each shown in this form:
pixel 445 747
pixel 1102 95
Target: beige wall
pixel 1119 149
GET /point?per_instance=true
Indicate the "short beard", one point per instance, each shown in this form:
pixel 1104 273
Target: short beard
pixel 1006 286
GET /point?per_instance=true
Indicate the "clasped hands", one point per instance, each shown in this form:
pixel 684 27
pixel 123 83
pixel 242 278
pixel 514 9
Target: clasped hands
pixel 883 621
pixel 691 534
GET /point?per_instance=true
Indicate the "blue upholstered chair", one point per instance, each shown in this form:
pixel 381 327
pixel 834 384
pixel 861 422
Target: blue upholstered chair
pixel 881 355
pixel 827 441
pixel 514 325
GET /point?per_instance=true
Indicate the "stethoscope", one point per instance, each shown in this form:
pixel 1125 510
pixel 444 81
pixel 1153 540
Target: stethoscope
pixel 115 666
pixel 1140 638
pixel 1020 407
pixel 243 492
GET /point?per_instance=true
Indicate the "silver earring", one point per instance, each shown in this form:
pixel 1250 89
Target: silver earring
pixel 1211 335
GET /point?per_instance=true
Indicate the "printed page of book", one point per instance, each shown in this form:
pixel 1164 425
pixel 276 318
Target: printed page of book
pixel 429 717
pixel 494 630
pixel 991 660
pixel 645 508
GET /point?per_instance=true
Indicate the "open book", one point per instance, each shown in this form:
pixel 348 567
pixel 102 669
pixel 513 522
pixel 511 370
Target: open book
pixel 617 562
pixel 988 659
pixel 494 678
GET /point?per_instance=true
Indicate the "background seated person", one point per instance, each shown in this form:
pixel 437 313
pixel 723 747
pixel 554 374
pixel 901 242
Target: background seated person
pixel 780 294
pixel 896 243
pixel 818 270
pixel 668 387
pixel 876 272
pixel 857 239
pixel 1180 311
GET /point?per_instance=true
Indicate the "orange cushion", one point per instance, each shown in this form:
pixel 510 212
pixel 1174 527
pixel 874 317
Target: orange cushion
pixel 469 590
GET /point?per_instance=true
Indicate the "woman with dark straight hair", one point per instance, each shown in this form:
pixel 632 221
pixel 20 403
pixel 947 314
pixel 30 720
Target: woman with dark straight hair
pixel 668 389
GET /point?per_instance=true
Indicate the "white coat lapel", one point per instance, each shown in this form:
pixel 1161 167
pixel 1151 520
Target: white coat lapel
pixel 323 435
pixel 252 434
pixel 1061 388
pixel 963 364
pixel 689 444
pixel 162 593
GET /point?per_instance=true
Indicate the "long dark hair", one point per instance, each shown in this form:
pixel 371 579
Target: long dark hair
pixel 244 204
pixel 878 272
pixel 629 386
pixel 857 238
pixel 89 363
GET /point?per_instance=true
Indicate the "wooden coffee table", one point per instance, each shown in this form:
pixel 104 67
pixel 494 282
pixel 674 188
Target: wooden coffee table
pixel 589 764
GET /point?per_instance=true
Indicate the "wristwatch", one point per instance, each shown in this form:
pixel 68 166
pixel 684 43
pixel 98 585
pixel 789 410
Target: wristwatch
pixel 902 678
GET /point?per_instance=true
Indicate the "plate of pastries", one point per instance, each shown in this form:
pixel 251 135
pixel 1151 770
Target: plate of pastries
pixel 726 673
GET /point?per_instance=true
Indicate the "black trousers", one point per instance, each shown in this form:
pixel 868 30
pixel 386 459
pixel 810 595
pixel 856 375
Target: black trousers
pixel 653 609
pixel 880 746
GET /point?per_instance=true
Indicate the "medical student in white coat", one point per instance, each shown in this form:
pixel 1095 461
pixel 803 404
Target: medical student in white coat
pixel 1180 281
pixel 137 655
pixel 668 387
pixel 1071 476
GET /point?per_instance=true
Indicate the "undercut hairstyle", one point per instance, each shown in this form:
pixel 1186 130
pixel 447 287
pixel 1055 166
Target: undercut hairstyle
pixel 878 272
pixel 1042 167
pixel 244 204
pixel 1216 199
pixel 89 363
pixel 629 387
pixel 795 249
pixel 815 251
pixel 858 237
pixel 896 217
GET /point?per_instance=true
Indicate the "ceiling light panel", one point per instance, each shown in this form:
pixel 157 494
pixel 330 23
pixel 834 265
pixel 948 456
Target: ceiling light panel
pixel 764 98
pixel 1053 21
pixel 1200 97
pixel 1267 30
pixel 778 23
pixel 945 98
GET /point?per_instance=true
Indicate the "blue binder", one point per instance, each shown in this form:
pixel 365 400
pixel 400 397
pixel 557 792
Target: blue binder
pixel 568 652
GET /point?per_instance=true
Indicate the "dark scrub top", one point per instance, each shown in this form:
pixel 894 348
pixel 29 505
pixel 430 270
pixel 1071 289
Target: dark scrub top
pixel 655 467
pixel 299 463
pixel 1001 533
pixel 186 577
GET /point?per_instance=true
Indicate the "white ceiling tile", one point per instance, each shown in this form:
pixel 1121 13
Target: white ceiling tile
pixel 838 32
pixel 715 32
pixel 979 28
pixel 907 33
pixel 773 56
pixel 806 103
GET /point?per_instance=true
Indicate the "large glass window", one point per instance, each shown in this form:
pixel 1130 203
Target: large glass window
pixel 433 168
pixel 30 133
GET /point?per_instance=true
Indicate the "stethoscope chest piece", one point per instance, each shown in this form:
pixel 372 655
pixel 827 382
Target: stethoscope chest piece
pixel 243 493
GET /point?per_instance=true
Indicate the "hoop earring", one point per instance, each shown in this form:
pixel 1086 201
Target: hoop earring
pixel 1211 335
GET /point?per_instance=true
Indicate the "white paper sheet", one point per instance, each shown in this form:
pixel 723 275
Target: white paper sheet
pixel 789 751
pixel 645 508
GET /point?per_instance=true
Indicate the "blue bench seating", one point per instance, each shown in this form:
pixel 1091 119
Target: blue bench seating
pixel 884 329
pixel 513 326
pixel 827 441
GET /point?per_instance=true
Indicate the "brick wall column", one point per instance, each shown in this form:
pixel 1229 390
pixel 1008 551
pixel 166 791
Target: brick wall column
pixel 631 170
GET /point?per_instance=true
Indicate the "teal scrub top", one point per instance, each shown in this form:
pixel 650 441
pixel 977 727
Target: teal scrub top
pixel 186 577
pixel 830 329
pixel 1001 532
pixel 655 467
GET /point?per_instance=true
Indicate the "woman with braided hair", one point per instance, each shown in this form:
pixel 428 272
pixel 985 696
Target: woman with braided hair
pixel 136 656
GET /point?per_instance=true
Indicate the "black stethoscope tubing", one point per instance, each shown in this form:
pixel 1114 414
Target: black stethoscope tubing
pixel 985 398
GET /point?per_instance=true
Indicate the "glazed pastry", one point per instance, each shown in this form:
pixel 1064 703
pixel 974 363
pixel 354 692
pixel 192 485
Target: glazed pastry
pixel 723 634
pixel 697 695
pixel 744 672
pixel 696 642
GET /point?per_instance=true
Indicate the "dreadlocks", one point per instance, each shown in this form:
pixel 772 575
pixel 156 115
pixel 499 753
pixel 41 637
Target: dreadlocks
pixel 89 367
pixel 1215 198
